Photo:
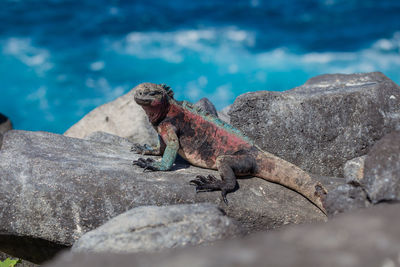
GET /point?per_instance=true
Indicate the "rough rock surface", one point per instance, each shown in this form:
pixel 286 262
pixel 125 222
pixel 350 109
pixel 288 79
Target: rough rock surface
pixel 370 237
pixel 103 137
pixel 382 169
pixel 206 105
pixel 153 228
pixel 121 117
pixel 354 170
pixel 223 114
pixel 55 188
pixel 323 123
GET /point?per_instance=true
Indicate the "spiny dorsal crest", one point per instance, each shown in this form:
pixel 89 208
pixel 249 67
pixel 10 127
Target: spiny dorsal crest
pixel 168 89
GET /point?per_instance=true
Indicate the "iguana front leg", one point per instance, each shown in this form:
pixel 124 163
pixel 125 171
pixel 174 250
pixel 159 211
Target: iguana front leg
pixel 168 134
pixel 150 150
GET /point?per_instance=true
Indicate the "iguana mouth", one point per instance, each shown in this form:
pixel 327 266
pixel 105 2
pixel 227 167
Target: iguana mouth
pixel 143 102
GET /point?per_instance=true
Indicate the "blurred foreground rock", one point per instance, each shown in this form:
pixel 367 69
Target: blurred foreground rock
pixel 370 237
pixel 323 123
pixel 152 228
pixel 54 188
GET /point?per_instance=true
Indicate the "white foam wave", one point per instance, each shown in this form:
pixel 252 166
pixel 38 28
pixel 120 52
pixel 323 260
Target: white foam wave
pixel 389 45
pixel 231 45
pixel 171 46
pixel 32 56
pixel 383 55
pixel 97 65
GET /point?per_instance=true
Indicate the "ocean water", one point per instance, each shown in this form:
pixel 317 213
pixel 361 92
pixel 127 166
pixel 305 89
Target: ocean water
pixel 59 59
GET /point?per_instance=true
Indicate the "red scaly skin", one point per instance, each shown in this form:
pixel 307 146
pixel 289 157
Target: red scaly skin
pixel 205 141
pixel 201 142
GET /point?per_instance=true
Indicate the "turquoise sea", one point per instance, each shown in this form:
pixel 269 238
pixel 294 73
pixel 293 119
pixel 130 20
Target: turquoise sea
pixel 59 59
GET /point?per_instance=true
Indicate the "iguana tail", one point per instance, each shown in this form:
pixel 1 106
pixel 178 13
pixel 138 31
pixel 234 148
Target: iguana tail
pixel 277 170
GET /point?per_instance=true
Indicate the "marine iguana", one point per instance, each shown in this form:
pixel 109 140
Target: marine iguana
pixel 208 142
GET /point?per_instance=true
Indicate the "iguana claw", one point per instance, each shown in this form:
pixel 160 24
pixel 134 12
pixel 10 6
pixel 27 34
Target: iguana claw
pixel 145 163
pixel 205 184
pixel 208 184
pixel 223 193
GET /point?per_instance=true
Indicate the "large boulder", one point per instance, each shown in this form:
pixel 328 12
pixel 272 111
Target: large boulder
pixel 153 228
pixel 366 238
pixel 121 117
pixel 323 123
pixel 382 169
pixel 54 188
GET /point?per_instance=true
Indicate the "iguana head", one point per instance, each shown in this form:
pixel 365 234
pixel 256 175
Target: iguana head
pixel 154 99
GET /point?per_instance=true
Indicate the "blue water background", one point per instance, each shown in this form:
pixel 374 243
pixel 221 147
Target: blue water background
pixel 61 59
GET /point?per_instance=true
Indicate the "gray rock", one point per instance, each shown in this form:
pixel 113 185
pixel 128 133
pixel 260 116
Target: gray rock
pixel 354 170
pixel 345 198
pixel 323 123
pixel 53 189
pixel 103 137
pixel 207 106
pixel 382 169
pixel 153 228
pixel 370 237
pixel 223 114
pixel 121 117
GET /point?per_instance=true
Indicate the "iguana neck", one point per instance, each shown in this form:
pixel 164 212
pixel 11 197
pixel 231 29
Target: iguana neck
pixel 157 111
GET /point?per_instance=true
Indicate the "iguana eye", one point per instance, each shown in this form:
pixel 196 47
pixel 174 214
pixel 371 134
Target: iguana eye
pixel 153 93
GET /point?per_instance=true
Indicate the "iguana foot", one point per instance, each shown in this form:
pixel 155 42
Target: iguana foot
pixel 206 184
pixel 147 164
pixel 140 149
pixel 209 183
